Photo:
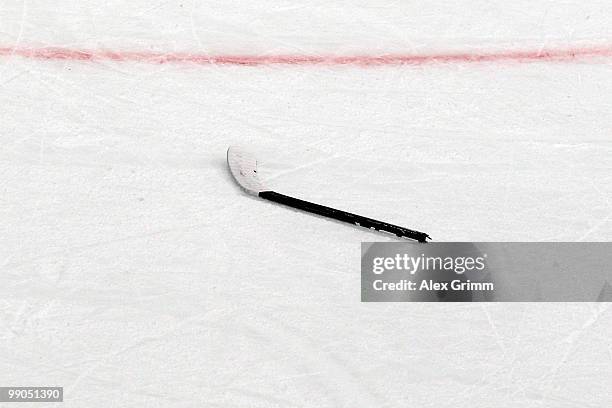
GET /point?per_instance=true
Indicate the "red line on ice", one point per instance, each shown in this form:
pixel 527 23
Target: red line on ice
pixel 544 55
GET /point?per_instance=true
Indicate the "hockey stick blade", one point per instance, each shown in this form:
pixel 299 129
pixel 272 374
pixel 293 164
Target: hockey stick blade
pixel 243 167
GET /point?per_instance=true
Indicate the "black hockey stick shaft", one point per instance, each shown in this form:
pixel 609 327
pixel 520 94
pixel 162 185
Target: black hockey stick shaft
pixel 343 216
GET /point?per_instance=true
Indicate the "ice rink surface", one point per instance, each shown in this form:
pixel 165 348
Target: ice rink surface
pixel 134 272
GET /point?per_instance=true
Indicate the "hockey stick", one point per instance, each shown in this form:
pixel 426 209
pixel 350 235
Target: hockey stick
pixel 243 167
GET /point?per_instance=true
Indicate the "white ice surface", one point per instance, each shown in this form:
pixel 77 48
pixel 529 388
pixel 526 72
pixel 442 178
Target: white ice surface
pixel 134 272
